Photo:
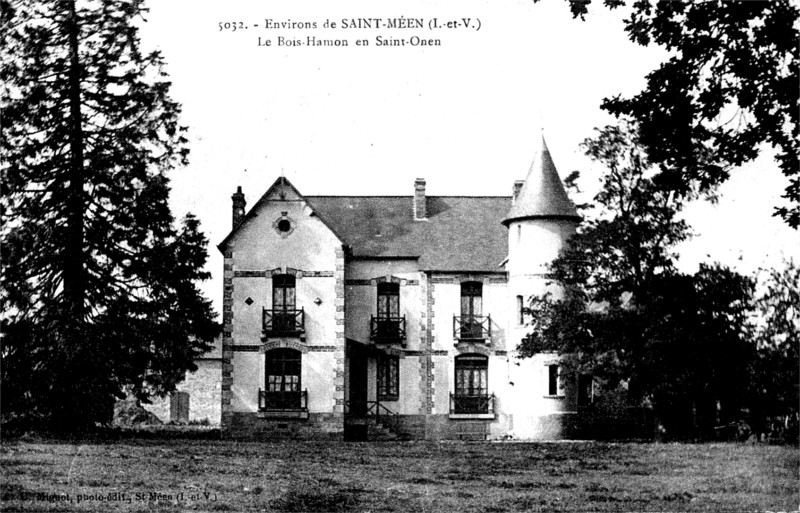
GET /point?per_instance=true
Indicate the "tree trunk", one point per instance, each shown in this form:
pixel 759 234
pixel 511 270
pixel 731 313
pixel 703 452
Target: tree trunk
pixel 74 279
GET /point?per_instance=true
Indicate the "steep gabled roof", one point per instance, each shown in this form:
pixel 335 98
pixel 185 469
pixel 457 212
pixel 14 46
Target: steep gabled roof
pixel 460 233
pixel 281 183
pixel 543 195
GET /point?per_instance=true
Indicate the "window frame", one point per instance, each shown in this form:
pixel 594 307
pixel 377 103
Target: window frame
pixel 554 380
pixel 283 357
pixel 284 282
pixel 388 300
pixel 388 379
pixel 471 299
pixel 462 369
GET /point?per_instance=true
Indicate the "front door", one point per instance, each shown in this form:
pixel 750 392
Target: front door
pixel 358 380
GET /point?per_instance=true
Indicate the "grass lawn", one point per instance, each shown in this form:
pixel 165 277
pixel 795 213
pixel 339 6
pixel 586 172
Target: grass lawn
pixel 181 475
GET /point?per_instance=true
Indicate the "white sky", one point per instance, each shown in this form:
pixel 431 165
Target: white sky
pixel 466 115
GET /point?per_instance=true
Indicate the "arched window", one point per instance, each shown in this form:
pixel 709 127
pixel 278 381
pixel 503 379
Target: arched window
pixel 282 380
pixel 472 384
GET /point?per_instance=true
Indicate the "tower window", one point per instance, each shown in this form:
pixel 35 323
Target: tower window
pixel 552 380
pixel 284 225
pixel 520 310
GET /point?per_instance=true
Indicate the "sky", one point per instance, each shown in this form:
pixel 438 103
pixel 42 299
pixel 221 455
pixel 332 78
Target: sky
pixel 467 115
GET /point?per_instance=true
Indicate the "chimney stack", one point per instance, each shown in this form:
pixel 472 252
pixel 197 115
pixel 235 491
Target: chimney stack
pixel 238 206
pixel 517 188
pixel 420 206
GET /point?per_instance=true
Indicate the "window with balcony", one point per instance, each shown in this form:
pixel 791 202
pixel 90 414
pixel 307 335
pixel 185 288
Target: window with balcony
pixel 284 319
pixel 282 388
pixel 388 378
pixel 471 324
pixel 388 326
pixel 471 391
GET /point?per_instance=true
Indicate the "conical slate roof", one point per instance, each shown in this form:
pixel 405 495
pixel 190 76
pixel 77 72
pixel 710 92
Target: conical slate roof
pixel 543 195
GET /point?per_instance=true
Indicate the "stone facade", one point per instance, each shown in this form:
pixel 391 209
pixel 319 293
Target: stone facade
pixel 410 313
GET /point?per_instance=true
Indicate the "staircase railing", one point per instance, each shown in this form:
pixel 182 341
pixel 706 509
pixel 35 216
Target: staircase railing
pixel 373 409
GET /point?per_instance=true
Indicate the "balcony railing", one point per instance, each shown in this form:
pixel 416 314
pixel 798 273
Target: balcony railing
pixel 471 404
pixel 388 330
pixel 472 327
pixel 284 322
pixel 282 401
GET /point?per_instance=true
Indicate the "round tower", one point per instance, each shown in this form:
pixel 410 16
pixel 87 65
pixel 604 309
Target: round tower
pixel 541 220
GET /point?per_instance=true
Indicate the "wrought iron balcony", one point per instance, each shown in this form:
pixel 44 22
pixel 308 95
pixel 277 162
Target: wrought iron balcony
pixel 286 323
pixel 472 404
pixel 282 401
pixel 388 330
pixel 472 327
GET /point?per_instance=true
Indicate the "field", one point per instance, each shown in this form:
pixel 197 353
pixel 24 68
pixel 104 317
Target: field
pixel 198 475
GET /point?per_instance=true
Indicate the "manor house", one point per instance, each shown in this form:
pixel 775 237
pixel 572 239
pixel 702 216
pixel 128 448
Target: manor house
pixel 367 317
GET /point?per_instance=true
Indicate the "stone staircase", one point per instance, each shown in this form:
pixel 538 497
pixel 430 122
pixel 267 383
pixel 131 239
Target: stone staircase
pixel 368 429
pixel 376 424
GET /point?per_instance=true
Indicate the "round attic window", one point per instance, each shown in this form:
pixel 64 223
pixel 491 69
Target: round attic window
pixel 284 225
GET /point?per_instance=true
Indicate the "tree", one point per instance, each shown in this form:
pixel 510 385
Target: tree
pixel 98 283
pixel 730 86
pixel 678 342
pixel 778 337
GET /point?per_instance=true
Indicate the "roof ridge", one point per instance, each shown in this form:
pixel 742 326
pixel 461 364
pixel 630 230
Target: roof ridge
pixel 486 196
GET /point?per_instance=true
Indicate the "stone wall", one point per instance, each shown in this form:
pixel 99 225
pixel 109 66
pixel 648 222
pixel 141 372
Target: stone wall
pixel 318 426
pixel 204 387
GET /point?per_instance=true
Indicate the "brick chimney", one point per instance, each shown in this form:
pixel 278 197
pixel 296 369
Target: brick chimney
pixel 517 188
pixel 238 206
pixel 420 203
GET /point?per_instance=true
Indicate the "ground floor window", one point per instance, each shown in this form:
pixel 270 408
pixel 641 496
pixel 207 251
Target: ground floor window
pixel 388 378
pixel 472 384
pixel 282 388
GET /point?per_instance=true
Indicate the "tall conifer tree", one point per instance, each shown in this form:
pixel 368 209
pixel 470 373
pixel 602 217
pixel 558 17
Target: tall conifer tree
pixel 98 283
